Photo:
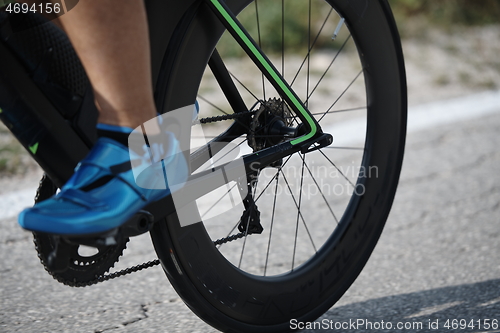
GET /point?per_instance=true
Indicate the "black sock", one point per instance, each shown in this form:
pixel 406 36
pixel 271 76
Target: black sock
pixel 117 133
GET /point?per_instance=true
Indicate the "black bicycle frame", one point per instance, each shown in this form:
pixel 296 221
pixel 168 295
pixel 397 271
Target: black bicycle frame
pixel 59 145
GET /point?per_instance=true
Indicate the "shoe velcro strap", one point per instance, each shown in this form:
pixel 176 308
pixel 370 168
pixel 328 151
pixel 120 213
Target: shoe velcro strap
pixel 120 168
pixel 82 198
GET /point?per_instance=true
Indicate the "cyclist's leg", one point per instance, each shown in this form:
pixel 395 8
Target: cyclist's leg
pixel 112 43
pixel 111 38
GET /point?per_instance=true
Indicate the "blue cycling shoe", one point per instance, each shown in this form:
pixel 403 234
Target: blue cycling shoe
pixel 108 187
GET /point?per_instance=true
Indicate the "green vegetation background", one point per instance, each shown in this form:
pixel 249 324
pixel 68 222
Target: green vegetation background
pixel 442 14
pixel 446 13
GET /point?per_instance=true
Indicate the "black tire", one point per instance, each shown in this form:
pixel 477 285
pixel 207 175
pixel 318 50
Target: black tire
pixel 251 299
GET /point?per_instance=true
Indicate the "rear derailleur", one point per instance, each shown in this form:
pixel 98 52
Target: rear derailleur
pixel 250 219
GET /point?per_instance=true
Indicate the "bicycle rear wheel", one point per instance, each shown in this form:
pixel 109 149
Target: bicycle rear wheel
pixel 322 212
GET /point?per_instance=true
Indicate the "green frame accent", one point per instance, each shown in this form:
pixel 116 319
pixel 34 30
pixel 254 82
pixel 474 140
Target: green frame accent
pixel 245 38
pixel 33 148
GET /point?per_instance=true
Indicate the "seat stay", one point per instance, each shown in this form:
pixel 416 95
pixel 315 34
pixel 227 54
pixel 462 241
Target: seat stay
pixel 239 33
pixel 226 84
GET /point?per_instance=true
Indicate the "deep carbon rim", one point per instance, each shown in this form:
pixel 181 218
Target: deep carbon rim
pixel 203 267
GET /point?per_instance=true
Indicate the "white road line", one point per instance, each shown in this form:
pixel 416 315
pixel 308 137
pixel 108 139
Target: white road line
pixel 12 203
pixel 420 117
pixel 426 116
pixel 459 109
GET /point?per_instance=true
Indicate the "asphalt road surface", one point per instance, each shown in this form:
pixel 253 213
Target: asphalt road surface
pixel 437 260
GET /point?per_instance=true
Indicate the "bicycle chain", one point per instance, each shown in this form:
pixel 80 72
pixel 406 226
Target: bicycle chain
pixel 226 117
pixel 229 238
pixel 117 274
pixel 156 262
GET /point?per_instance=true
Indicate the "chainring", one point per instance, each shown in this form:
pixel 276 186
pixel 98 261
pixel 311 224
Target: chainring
pixel 83 267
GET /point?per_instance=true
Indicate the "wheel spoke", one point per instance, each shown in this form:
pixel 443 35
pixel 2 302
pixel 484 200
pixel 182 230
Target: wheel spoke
pixel 336 111
pixel 299 212
pixel 309 50
pixel 272 224
pixel 244 239
pixel 272 179
pixel 244 87
pixel 283 38
pixel 347 148
pixel 320 191
pixel 335 166
pixel 215 204
pixel 260 46
pixel 308 80
pixel 212 104
pixel 328 68
pixel 342 94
